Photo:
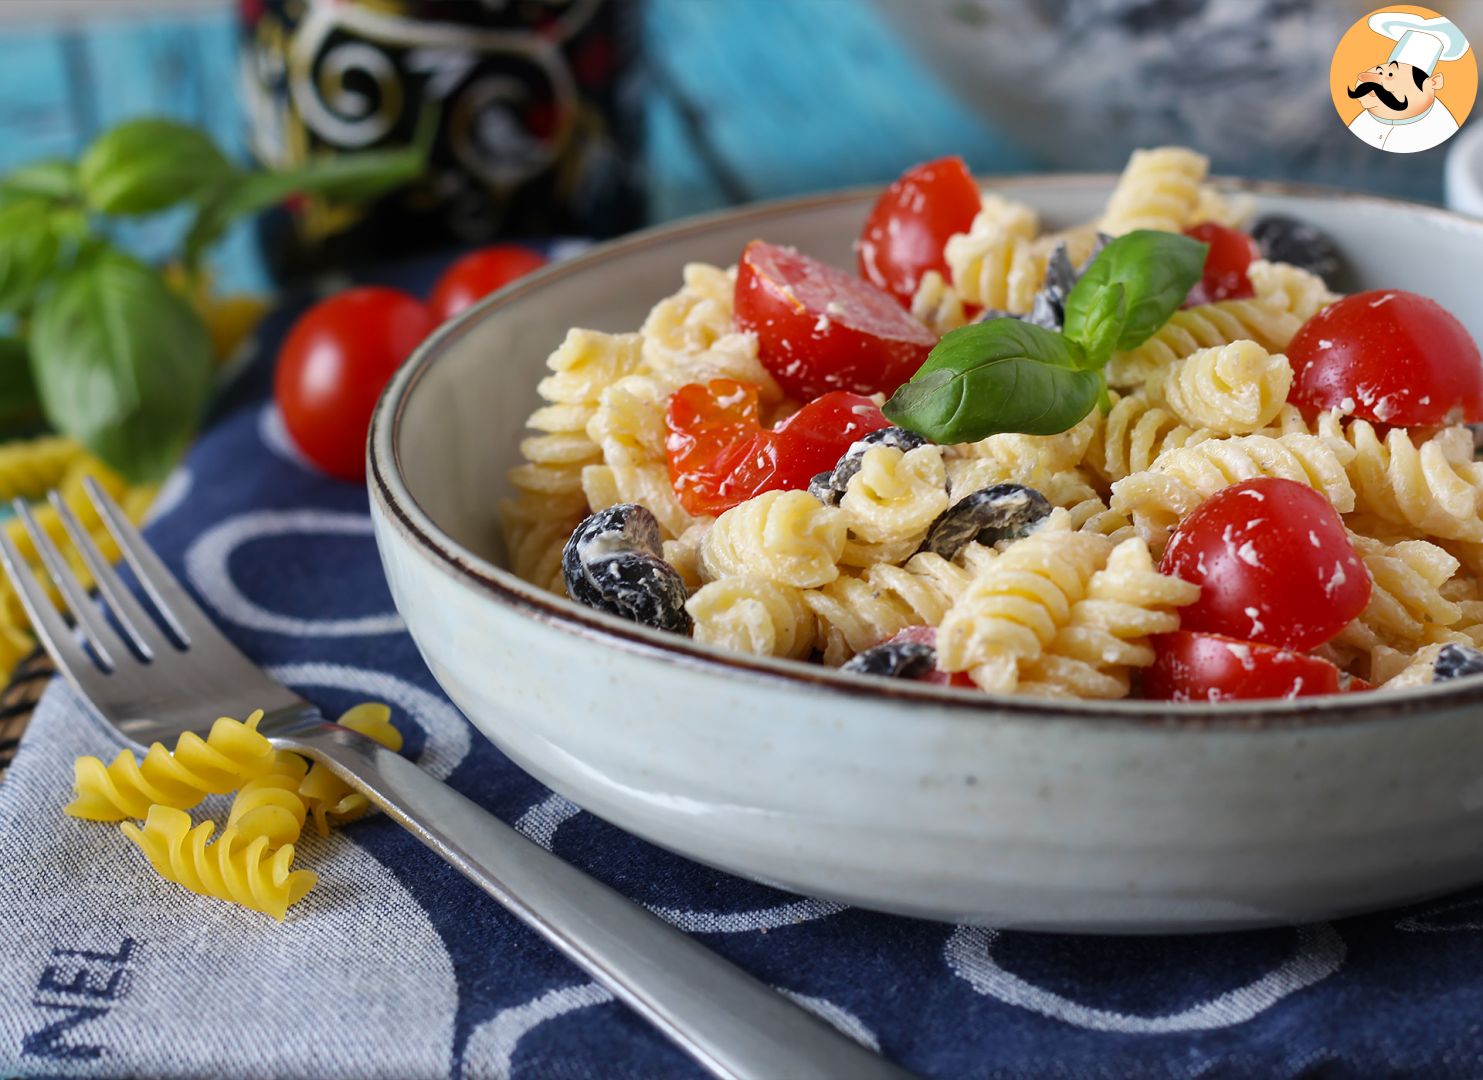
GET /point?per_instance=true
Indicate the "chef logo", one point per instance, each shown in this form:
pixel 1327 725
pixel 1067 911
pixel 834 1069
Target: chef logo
pixel 1404 79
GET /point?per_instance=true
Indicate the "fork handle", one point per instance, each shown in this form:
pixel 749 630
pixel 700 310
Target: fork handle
pixel 731 1023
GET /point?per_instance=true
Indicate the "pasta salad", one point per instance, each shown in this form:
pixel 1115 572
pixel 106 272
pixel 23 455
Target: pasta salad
pixel 1150 455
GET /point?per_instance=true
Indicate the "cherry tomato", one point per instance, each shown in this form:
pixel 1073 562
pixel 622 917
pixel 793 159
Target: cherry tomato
pixel 707 422
pixel 720 455
pixel 819 329
pixel 927 635
pixel 1388 356
pixel 333 366
pixel 1207 667
pixel 1231 252
pixel 909 225
pixel 1273 562
pixel 478 274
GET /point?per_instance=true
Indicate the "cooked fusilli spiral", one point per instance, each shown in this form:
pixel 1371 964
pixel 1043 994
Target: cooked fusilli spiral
pixel 1011 612
pixel 1158 189
pixel 1137 430
pixel 752 615
pixel 1433 487
pixel 998 263
pixel 1203 327
pixel 1230 210
pixel 937 304
pixel 549 499
pixel 1179 480
pixel 890 502
pixel 1106 635
pixel 1406 608
pixel 1289 288
pixel 784 536
pixel 858 611
pixel 238 868
pixel 689 337
pixel 1233 389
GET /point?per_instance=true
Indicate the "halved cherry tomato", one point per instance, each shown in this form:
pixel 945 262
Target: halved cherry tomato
pixel 1273 562
pixel 719 454
pixel 707 422
pixel 478 274
pixel 927 635
pixel 909 225
pixel 1207 667
pixel 1231 252
pixel 333 366
pixel 1388 356
pixel 819 329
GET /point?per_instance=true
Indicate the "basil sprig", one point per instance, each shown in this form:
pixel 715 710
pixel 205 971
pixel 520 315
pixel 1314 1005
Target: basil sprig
pixel 113 355
pixel 1005 375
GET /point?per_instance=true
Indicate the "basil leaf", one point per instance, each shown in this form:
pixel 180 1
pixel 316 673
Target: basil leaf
pixel 344 177
pixel 122 364
pixel 144 166
pixel 51 179
pixel 1156 271
pixel 20 409
pixel 29 247
pixel 987 378
pixel 1103 325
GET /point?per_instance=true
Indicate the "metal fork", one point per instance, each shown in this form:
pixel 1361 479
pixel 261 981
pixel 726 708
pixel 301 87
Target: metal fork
pixel 154 686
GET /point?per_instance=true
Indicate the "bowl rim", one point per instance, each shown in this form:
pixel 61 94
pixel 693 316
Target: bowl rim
pixel 389 491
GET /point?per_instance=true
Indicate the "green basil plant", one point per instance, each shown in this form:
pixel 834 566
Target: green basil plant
pixel 100 347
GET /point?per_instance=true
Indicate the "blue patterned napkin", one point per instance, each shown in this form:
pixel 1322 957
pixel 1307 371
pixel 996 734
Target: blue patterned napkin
pixel 395 966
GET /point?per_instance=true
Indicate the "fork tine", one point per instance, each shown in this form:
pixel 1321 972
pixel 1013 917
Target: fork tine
pixel 184 615
pixel 85 613
pixel 51 628
pixel 127 611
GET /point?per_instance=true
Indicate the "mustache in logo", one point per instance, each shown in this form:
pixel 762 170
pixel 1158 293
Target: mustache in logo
pixel 1389 100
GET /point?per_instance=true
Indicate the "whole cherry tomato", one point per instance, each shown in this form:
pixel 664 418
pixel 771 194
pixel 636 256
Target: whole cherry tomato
pixel 1273 562
pixel 719 455
pixel 820 329
pixel 909 225
pixel 1388 356
pixel 1231 252
pixel 478 274
pixel 1207 667
pixel 333 366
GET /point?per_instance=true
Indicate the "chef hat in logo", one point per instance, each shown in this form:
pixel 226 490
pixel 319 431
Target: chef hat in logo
pixel 1419 41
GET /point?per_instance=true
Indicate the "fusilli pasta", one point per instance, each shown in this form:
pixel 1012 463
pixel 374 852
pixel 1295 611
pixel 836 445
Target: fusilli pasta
pixel 1179 480
pixel 998 263
pixel 752 615
pixel 784 536
pixel 1203 327
pixel 1107 633
pixel 1234 389
pixel 240 868
pixel 1158 189
pixel 890 501
pixel 1009 614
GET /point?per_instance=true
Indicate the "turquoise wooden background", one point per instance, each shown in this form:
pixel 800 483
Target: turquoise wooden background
pixel 747 100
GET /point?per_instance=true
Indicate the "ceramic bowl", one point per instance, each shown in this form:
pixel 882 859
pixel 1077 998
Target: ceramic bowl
pixel 928 801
